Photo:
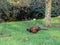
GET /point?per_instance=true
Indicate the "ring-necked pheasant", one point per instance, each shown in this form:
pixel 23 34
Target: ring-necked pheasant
pixel 35 29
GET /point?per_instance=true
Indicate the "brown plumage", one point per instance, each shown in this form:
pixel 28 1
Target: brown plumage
pixel 35 29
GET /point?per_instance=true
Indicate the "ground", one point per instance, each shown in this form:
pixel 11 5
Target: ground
pixel 14 33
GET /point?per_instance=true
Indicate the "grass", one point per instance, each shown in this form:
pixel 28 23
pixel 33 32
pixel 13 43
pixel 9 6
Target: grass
pixel 14 33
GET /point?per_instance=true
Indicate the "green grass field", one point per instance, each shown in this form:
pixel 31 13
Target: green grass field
pixel 14 33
